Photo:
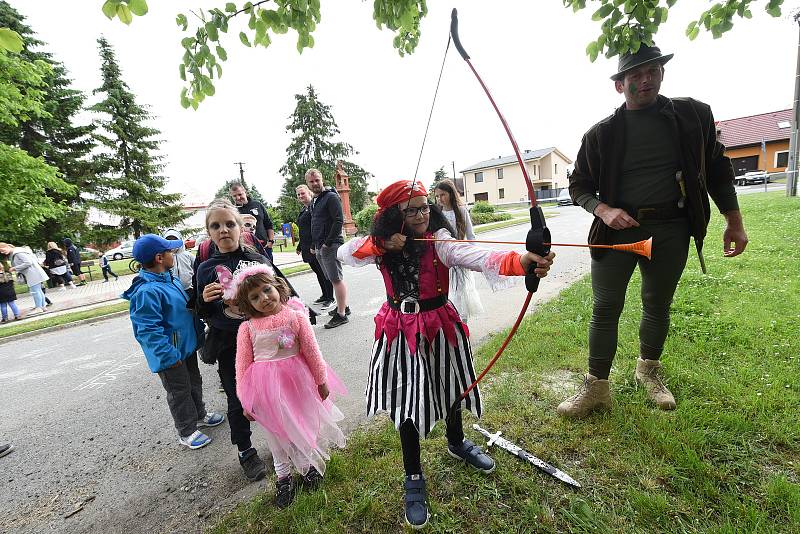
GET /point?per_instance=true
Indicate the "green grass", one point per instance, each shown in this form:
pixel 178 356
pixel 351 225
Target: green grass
pixel 505 224
pixel 726 461
pixel 56 320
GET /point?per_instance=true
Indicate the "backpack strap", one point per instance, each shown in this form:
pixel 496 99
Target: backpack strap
pixel 204 251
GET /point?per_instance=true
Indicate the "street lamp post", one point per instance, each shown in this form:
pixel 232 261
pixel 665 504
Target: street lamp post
pixel 791 174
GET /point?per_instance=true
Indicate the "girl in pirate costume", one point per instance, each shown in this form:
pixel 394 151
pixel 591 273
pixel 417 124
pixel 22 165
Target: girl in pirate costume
pixel 421 359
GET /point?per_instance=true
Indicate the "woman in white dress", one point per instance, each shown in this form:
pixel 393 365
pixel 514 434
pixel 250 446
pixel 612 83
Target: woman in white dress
pixel 463 292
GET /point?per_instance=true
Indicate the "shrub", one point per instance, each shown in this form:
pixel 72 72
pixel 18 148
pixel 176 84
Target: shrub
pixel 483 218
pixel 482 207
pixel 363 218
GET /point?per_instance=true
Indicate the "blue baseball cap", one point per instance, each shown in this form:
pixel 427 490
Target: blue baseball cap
pixel 148 245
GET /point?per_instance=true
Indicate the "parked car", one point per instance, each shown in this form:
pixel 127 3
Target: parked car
pixel 124 250
pixel 563 198
pixel 752 177
pixel 195 240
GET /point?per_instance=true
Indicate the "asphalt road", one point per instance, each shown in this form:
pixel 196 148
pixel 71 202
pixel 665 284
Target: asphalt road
pixel 96 449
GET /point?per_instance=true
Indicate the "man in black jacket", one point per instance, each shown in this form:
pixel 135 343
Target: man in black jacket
pixel 647 170
pixel 304 246
pixel 326 238
pixel 264 230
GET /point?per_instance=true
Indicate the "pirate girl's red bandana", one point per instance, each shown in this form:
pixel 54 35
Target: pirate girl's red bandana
pixel 401 191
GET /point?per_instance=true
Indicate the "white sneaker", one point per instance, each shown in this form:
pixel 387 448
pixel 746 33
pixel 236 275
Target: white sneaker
pixel 211 419
pixel 195 441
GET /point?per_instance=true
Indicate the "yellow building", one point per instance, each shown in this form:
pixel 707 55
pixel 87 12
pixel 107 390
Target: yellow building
pixel 758 142
pixel 500 180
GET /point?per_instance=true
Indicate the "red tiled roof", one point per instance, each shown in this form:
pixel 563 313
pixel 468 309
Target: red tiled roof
pixel 752 130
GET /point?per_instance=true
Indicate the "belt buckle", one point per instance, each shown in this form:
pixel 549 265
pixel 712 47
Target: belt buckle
pixel 413 302
pixel 642 213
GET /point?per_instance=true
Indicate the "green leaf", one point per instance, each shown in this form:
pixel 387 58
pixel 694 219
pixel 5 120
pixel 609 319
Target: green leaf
pixel 604 11
pixel 180 20
pixel 110 8
pixel 592 51
pixel 10 40
pixel 138 7
pixel 670 3
pixel 211 30
pixel 124 14
pixel 775 11
pixel 230 7
pixel 222 54
pixel 690 28
pixel 243 38
pixel 664 14
pixel 693 33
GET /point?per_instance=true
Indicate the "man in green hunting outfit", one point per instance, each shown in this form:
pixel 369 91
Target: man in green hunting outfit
pixel 647 170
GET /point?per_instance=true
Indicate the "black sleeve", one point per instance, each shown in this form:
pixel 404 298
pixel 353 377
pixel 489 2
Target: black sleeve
pixel 334 206
pixel 200 279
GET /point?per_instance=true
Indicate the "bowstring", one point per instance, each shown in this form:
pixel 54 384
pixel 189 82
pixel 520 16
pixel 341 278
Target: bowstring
pixel 427 126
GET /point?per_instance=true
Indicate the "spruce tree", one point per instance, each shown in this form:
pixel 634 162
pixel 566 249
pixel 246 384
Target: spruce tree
pixel 129 184
pixel 314 128
pixel 53 136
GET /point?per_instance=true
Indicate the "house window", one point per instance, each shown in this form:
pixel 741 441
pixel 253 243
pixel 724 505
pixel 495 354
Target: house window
pixel 782 159
pixel 501 193
pixel 478 177
pixel 499 174
pixel 534 170
pixel 556 168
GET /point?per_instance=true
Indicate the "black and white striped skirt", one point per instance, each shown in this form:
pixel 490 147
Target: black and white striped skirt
pixel 422 386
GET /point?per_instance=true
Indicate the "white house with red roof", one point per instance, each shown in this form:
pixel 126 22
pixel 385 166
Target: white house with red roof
pixel 757 142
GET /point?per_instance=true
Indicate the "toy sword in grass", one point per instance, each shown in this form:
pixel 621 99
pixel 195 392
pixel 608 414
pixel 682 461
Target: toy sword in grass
pixel 495 439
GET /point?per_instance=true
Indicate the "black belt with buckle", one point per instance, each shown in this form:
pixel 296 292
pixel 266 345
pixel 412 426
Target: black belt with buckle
pixel 416 306
pixel 658 213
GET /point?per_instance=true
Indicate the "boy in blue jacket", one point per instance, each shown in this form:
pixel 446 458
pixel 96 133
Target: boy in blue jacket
pixel 168 334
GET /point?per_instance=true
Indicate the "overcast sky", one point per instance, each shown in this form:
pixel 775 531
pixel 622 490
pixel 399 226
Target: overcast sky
pixel 529 53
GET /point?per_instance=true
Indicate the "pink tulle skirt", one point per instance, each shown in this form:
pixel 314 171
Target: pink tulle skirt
pixel 282 397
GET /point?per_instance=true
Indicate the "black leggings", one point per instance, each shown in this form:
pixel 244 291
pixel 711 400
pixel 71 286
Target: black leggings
pixel 409 440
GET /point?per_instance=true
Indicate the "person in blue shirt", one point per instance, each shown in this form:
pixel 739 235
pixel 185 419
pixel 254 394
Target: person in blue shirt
pixel 168 334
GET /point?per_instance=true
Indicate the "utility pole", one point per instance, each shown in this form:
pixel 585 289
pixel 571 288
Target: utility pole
pixel 241 169
pixel 791 171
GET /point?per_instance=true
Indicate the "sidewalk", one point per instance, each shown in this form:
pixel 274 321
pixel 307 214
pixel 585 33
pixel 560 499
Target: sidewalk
pixel 98 292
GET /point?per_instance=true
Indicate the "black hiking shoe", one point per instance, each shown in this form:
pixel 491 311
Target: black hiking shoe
pixel 284 491
pixel 312 480
pixel 346 311
pixel 322 299
pixel 473 455
pixel 253 466
pixel 416 508
pixel 337 320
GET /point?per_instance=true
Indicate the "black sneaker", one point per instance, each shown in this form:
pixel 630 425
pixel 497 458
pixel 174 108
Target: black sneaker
pixel 284 491
pixel 416 509
pixel 337 320
pixel 473 455
pixel 325 304
pixel 346 311
pixel 312 480
pixel 322 299
pixel 253 466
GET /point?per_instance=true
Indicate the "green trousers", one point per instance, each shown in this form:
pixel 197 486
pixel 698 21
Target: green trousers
pixel 660 275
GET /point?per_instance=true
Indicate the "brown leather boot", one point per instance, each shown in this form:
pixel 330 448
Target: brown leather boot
pixel 594 394
pixel 648 374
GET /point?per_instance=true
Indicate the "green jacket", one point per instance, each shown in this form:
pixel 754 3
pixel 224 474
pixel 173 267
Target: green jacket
pixel 706 169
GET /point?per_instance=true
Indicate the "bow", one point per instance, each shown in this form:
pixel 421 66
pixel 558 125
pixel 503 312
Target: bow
pixel 538 239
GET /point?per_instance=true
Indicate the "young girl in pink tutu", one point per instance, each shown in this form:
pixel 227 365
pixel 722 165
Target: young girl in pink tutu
pixel 282 381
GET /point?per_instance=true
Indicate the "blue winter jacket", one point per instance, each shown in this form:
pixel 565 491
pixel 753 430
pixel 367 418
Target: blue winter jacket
pixel 162 325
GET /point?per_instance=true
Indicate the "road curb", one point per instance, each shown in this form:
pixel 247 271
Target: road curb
pixel 57 327
pixel 90 320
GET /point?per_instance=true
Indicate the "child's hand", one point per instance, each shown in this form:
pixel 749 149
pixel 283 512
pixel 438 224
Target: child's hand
pixel 542 263
pixel 395 243
pixel 323 391
pixel 212 292
pixel 248 416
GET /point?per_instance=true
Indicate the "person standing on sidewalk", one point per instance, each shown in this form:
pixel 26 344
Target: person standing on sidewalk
pixel 56 263
pixel 168 334
pixel 264 230
pixel 8 296
pixel 326 238
pixel 647 170
pixel 105 266
pixel 304 245
pixel 24 263
pixel 74 259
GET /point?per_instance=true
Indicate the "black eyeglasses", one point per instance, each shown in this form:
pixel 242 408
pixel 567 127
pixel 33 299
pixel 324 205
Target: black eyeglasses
pixel 410 213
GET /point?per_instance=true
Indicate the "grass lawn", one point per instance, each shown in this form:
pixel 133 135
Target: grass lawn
pixel 726 461
pixel 55 320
